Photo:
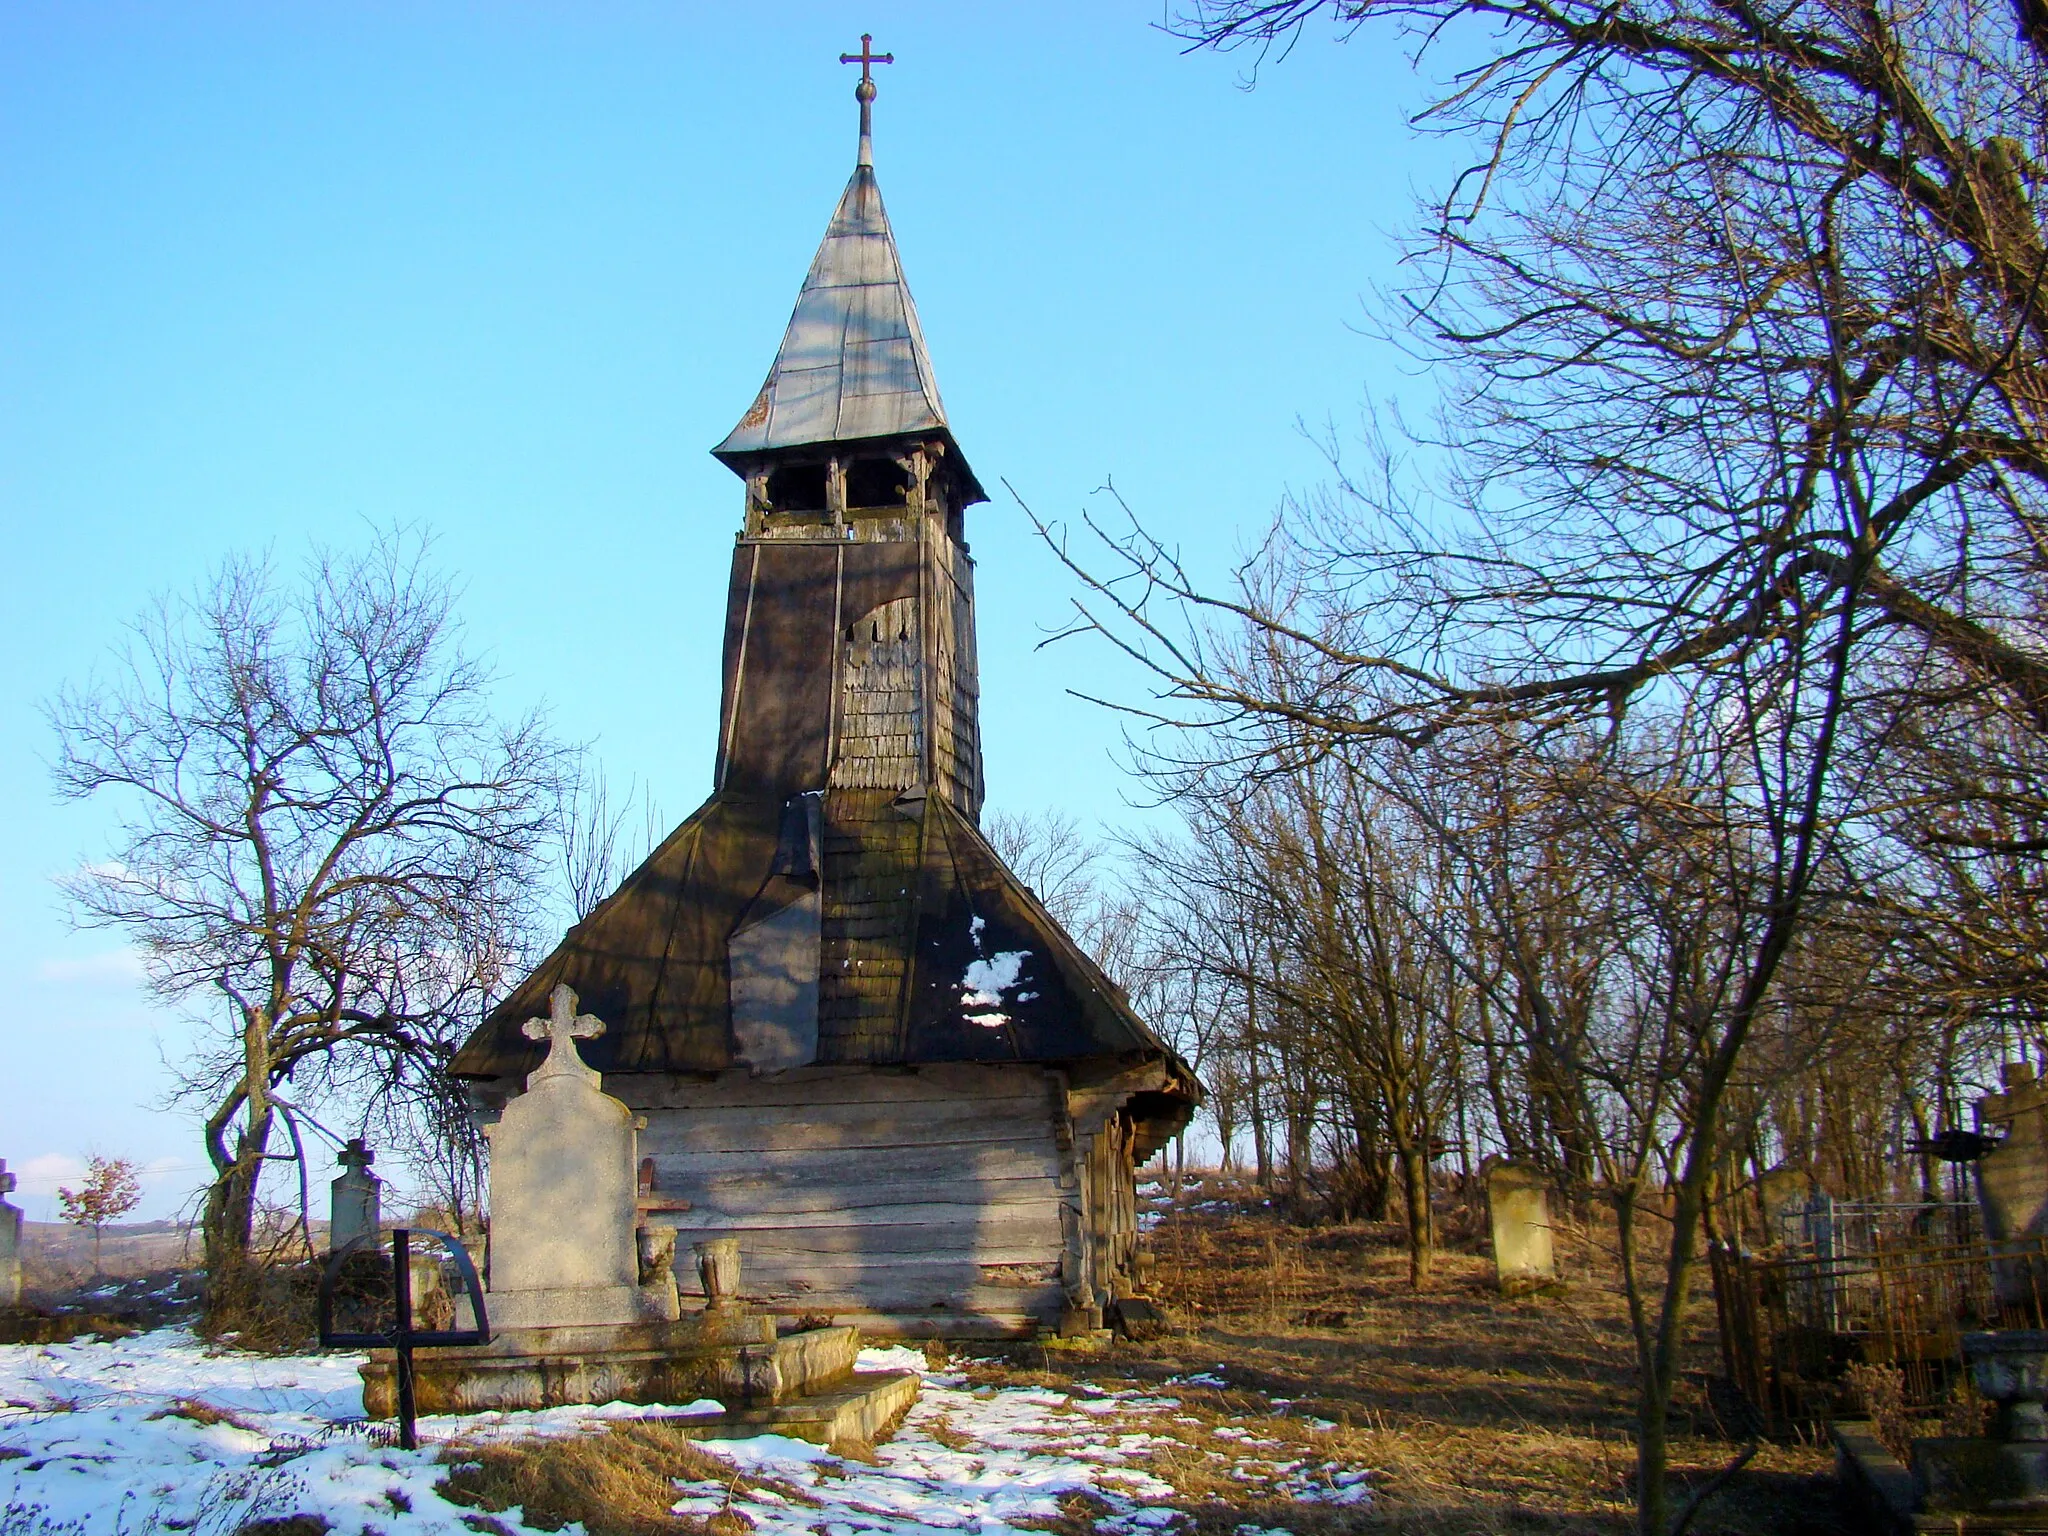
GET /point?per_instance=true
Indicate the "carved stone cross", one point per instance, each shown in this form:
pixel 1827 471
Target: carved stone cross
pixel 356 1154
pixel 7 1180
pixel 561 1029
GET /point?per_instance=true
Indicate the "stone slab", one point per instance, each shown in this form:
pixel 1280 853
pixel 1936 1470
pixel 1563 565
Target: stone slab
pixel 1518 1202
pixel 10 1243
pixel 564 1182
pixel 354 1199
pixel 692 1331
pixel 518 1372
pixel 1973 1475
pixel 1874 1479
pixel 585 1306
pixel 863 1412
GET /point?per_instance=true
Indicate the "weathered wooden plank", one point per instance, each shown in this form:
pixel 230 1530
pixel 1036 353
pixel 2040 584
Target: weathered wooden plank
pixel 951 1203
pixel 833 1127
pixel 930 1221
pixel 802 1168
pixel 715 1128
pixel 955 1290
pixel 1032 1109
pixel 761 1270
pixel 937 1083
pixel 881 1246
pixel 868 952
pixel 927 1080
pixel 865 1139
pixel 909 1300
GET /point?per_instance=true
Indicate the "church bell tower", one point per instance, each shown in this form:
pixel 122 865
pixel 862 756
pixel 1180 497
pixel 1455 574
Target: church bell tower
pixel 833 904
pixel 849 650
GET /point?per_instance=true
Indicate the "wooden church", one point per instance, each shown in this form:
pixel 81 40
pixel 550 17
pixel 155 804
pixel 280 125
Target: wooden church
pixel 861 1045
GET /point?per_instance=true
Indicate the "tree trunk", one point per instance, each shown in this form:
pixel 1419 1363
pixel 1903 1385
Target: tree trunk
pixel 1262 1145
pixel 227 1227
pixel 228 1231
pixel 1415 1189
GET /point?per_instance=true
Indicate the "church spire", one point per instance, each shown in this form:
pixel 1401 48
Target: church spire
pixel 853 365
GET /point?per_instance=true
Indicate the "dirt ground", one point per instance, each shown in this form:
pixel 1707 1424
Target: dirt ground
pixel 1477 1412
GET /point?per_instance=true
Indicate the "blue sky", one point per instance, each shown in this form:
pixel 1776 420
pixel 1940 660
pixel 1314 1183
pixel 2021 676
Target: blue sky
pixel 277 273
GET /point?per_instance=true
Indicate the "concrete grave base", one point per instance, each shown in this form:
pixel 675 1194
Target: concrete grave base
pixel 607 1306
pixel 645 1363
pixel 861 1411
pixel 1957 1486
pixel 1974 1475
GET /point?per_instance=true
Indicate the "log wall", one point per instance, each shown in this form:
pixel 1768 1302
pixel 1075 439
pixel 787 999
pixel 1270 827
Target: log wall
pixel 947 1200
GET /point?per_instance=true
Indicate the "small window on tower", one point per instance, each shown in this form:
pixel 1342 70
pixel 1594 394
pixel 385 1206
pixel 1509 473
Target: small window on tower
pixel 797 488
pixel 877 483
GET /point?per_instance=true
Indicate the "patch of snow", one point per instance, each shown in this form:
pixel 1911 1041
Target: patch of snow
pixel 989 1020
pixel 984 982
pixel 1330 1485
pixel 100 1456
pixel 895 1357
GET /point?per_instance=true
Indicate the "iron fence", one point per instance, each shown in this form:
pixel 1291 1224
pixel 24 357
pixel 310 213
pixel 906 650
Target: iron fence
pixel 1791 1325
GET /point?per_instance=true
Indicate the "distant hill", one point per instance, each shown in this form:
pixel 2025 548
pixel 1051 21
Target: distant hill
pixel 55 1254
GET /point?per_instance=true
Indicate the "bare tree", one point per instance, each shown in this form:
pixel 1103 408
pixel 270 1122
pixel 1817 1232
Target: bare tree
pixel 601 843
pixel 1050 853
pixel 1739 319
pixel 328 844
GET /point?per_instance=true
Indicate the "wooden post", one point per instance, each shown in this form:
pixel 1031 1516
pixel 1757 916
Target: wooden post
pixel 401 1287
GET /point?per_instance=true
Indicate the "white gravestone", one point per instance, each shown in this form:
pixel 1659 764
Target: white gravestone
pixel 564 1177
pixel 10 1243
pixel 1518 1200
pixel 352 1209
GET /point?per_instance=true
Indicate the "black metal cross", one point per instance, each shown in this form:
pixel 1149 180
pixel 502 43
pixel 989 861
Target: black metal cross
pixel 867 56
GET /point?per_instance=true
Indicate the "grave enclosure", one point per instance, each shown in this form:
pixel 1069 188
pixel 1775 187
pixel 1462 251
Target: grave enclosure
pixel 582 1297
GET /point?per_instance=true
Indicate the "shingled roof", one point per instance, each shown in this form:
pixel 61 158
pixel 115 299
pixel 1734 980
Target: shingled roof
pixel 853 364
pixel 946 957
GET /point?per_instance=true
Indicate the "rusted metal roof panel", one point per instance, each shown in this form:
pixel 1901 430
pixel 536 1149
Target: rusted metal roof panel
pixel 853 362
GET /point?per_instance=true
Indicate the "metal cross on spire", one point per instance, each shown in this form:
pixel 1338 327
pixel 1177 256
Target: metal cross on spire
pixel 864 93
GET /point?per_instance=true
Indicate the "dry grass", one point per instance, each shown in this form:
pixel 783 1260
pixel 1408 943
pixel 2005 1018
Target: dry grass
pixel 1476 1412
pixel 619 1481
pixel 285 1525
pixel 201 1413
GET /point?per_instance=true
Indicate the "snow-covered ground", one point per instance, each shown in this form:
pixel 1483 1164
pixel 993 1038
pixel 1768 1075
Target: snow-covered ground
pixel 101 1439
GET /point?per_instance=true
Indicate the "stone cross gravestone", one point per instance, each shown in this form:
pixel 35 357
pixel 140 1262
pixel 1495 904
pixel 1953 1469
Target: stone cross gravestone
pixel 1781 1191
pixel 1518 1200
pixel 2012 1181
pixel 10 1243
pixel 563 1186
pixel 352 1209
